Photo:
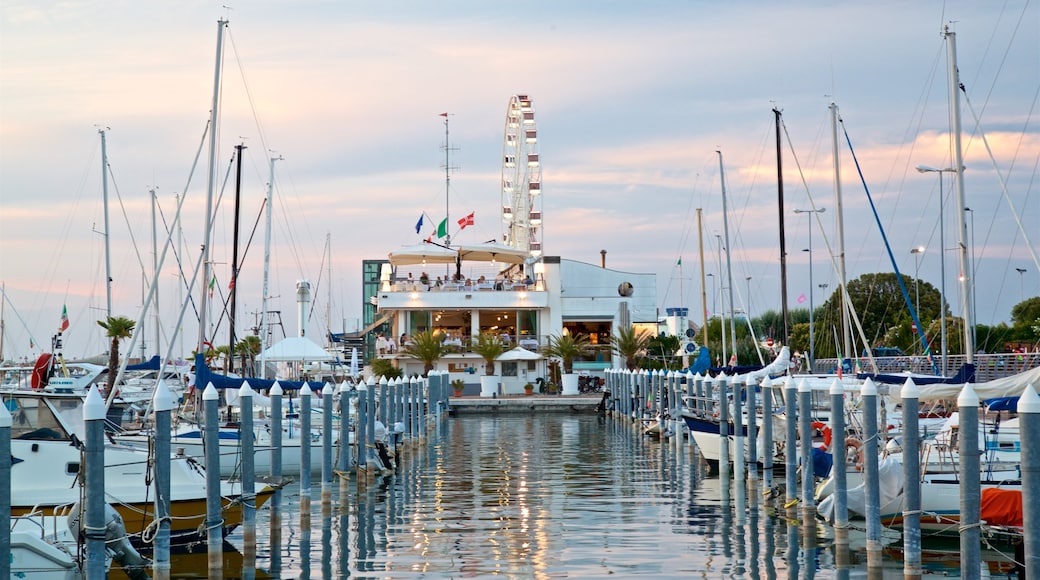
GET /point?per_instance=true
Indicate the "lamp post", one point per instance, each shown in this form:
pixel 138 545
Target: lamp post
pixel 1021 284
pixel 916 252
pixel 942 259
pixel 812 333
pixel 714 292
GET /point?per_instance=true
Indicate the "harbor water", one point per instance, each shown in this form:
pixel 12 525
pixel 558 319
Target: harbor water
pixel 553 495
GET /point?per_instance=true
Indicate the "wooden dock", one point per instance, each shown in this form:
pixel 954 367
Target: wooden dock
pixel 587 403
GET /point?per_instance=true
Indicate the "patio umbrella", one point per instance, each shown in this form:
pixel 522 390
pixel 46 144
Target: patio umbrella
pixel 353 363
pixel 423 253
pixel 519 353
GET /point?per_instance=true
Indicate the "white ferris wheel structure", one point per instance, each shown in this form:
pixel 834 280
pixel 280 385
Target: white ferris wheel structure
pixel 521 179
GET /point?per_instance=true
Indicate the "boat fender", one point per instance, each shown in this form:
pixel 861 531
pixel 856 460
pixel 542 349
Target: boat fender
pixel 116 541
pixel 827 435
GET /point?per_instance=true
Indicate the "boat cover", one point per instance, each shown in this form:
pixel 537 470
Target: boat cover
pixel 1001 507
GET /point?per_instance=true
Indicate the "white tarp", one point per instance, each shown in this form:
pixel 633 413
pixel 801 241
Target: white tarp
pixel 297 349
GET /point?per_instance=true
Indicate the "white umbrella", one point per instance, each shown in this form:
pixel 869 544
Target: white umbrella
pixel 519 353
pixel 491 252
pixel 423 254
pixel 353 362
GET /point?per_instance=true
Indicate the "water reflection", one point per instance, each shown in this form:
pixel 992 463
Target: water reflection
pixel 536 497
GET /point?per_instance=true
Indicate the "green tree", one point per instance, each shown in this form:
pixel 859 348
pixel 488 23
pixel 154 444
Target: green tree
pixel 567 347
pixel 116 328
pixel 427 347
pixel 660 353
pixel 489 347
pixel 248 349
pixel 631 344
pixel 880 305
pixel 384 367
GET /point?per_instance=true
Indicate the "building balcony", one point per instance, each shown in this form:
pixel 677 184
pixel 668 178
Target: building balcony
pixel 415 296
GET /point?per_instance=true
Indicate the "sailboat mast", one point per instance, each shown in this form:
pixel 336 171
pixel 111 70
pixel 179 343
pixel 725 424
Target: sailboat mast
pixel 328 287
pixel 729 261
pixel 967 284
pixel 233 301
pixel 783 235
pixel 704 289
pixel 104 197
pixel 155 267
pixel 447 180
pixel 211 181
pixel 846 324
pixel 267 270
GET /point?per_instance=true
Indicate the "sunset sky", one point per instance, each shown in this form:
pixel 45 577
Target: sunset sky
pixel 632 101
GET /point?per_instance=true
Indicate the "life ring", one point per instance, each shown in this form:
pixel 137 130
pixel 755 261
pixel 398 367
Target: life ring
pixel 207 348
pixel 827 435
pixel 856 444
pixel 41 373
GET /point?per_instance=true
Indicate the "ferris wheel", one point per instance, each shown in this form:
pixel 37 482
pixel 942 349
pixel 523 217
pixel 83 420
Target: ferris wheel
pixel 521 178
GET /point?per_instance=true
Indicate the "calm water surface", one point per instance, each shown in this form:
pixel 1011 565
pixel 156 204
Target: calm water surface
pixel 547 496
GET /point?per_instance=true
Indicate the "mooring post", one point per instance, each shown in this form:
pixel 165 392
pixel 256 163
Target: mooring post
pixel 791 446
pixel 870 473
pixel 971 493
pixel 306 395
pixel 94 509
pixel 840 466
pixel 214 517
pixel 767 431
pixel 1029 416
pixel 911 482
pixel 5 490
pixel 162 403
pixel 327 436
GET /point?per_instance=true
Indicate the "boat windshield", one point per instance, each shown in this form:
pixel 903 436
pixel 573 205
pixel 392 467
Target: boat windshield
pixel 32 418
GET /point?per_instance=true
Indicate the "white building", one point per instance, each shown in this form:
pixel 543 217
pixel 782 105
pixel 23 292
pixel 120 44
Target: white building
pixel 462 292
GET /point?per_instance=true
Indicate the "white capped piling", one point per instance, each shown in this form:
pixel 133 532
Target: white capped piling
pixel 1029 417
pixel 625 392
pixel 94 458
pixel 305 446
pixel 971 494
pixel 805 424
pixel 767 430
pixel 841 500
pixel 723 383
pixel 275 504
pixel 162 402
pixel 870 473
pixel 911 481
pixel 395 401
pixel 413 396
pixel 5 490
pixel 752 427
pixel 384 408
pixel 214 519
pixel 360 426
pixel 420 406
pixel 370 416
pixel 700 404
pixel 327 436
pixel 247 438
pixel 344 428
pixel 276 432
pixel 739 445
pixel 791 424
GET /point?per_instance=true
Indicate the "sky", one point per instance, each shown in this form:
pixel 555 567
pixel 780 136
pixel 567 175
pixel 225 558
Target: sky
pixel 632 102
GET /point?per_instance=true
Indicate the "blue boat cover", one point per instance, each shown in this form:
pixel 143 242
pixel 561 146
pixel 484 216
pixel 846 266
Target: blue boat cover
pixel 204 376
pixel 966 374
pixel 151 364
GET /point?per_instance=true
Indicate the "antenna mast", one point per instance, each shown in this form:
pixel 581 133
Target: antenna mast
pixel 448 168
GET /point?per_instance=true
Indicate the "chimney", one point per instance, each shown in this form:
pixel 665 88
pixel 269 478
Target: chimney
pixel 602 258
pixel 303 303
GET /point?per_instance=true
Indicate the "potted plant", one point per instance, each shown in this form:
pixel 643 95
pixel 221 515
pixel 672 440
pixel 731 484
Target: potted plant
pixel 489 347
pixel 427 347
pixel 528 389
pixel 567 347
pixel 458 385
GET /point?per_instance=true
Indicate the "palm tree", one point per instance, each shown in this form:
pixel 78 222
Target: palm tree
pixel 248 348
pixel 567 347
pixel 426 347
pixel 489 347
pixel 117 328
pixel 630 344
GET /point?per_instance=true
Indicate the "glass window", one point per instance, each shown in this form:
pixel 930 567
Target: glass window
pixel 508 369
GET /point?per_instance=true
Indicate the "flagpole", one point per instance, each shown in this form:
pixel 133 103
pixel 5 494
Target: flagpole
pixel 447 177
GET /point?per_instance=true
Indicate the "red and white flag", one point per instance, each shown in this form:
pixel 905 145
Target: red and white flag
pixel 466 221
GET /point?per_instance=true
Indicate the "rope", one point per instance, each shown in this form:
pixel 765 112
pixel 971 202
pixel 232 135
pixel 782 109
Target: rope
pixel 152 530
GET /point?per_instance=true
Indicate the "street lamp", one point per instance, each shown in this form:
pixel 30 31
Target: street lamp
pixel 1021 283
pixel 942 258
pixel 812 334
pixel 917 291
